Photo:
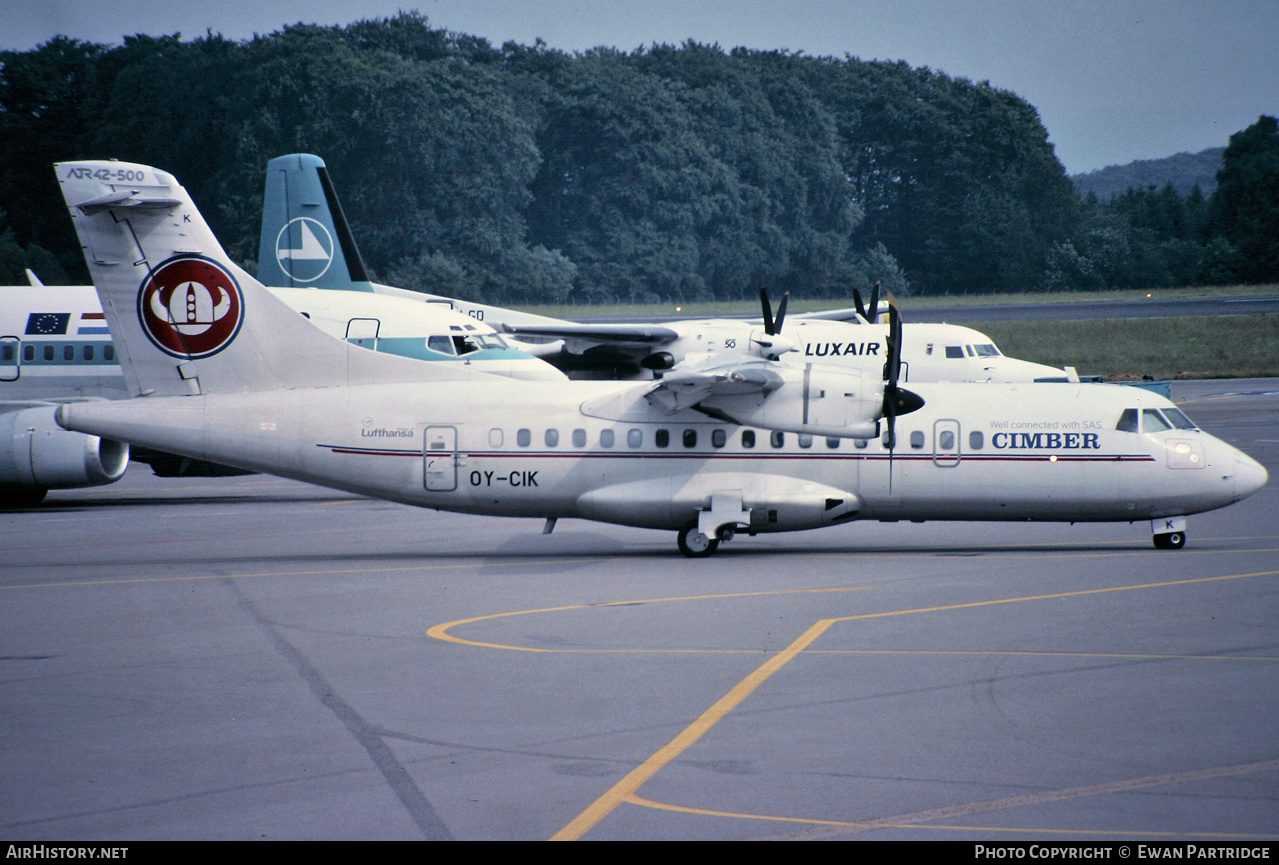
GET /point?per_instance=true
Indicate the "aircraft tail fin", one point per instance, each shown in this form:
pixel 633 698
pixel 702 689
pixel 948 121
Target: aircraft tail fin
pixel 185 318
pixel 306 241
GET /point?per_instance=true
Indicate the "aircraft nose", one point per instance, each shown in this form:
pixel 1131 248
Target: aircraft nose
pixel 1250 476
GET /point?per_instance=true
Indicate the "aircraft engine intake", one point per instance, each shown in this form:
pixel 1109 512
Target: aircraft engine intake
pixel 37 454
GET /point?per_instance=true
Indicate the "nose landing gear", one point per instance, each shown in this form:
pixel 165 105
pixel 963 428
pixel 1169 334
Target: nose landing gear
pixel 1168 533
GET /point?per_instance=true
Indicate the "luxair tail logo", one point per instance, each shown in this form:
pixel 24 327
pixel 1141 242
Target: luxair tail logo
pixel 190 307
pixel 304 249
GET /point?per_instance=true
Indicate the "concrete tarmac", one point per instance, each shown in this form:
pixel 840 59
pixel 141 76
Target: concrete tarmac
pixel 252 658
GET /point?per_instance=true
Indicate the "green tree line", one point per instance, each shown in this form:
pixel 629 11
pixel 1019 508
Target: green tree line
pixel 527 174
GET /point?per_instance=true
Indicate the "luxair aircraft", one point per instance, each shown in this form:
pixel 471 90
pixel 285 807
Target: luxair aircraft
pixel 306 241
pixel 55 346
pixel 729 446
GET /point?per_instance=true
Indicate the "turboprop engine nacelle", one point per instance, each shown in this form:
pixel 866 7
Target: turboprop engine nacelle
pixel 812 399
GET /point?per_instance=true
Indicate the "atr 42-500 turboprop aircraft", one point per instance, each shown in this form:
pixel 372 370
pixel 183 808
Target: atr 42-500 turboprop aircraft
pixel 752 445
pixel 306 241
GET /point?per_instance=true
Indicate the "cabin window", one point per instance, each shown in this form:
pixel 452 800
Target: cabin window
pixel 748 438
pixel 1127 421
pixel 495 438
pixel 88 352
pixel 832 443
pixel 1153 421
pixel 48 352
pixel 68 352
pixel 28 353
pixel 552 438
pixel 442 344
pixel 523 438
pixel 579 438
pixel 690 438
pixel 606 438
pixel 917 439
pixel 946 440
pixel 777 439
pixel 108 353
pixel 635 438
pixel 6 353
pixel 975 440
pixel 1178 419
pixel 662 438
pixel 719 438
pixel 805 440
pixel 954 351
pixel 861 444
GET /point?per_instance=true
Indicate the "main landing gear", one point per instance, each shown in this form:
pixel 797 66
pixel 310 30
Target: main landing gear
pixel 696 545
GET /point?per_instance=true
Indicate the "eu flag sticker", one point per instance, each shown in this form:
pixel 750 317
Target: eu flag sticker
pixel 47 323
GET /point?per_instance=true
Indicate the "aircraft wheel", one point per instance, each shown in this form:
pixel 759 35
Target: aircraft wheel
pixel 1170 541
pixel 694 544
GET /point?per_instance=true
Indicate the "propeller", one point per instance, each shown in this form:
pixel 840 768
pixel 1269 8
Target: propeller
pixel 873 312
pixel 773 327
pixel 897 400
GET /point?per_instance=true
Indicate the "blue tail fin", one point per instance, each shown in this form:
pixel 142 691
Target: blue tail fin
pixel 306 241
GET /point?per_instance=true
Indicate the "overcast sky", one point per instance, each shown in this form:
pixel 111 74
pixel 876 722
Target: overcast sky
pixel 1113 81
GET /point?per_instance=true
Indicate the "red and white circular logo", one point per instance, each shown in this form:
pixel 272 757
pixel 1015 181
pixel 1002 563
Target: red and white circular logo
pixel 190 307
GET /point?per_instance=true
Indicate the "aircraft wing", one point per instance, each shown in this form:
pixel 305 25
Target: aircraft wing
pixel 686 387
pixel 849 315
pixel 638 335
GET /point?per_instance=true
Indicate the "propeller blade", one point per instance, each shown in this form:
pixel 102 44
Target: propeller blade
pixel 768 310
pixel 857 302
pixel 892 371
pixel 893 362
pixel 874 304
pixel 781 313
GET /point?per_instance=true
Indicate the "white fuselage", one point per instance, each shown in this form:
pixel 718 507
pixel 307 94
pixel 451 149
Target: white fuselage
pixel 595 451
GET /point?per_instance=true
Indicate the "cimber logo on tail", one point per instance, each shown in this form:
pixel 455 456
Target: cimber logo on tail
pixel 190 307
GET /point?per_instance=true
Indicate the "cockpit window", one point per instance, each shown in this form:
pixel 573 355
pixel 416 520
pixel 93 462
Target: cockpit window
pixel 442 344
pixel 488 341
pixel 1178 419
pixel 1127 421
pixel 1153 421
pixel 464 345
pixel 954 351
pixel 987 350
